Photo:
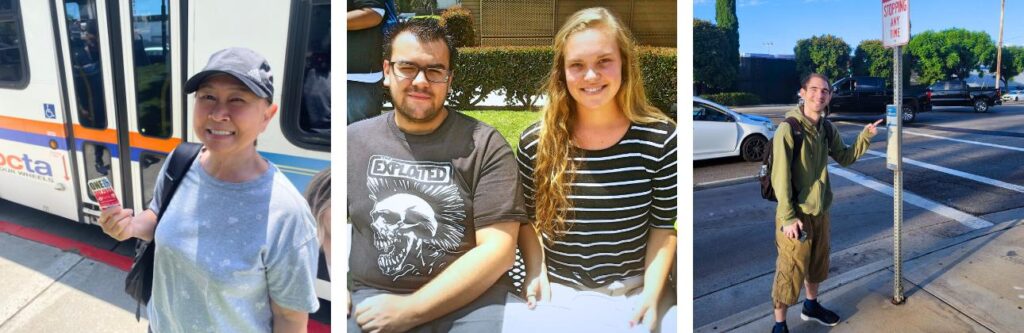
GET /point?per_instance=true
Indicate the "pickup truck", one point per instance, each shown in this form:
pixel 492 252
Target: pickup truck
pixel 960 93
pixel 866 94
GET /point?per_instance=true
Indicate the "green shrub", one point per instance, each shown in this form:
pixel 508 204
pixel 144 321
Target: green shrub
pixel 733 98
pixel 520 72
pixel 459 23
pixel 658 67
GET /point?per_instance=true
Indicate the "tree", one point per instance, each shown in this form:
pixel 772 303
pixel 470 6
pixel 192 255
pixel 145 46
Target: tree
pixel 1018 60
pixel 711 50
pixel 1013 62
pixel 827 54
pixel 725 17
pixel 871 58
pixel 956 51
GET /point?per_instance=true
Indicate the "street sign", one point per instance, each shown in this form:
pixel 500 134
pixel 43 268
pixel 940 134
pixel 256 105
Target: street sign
pixel 895 22
pixel 892 127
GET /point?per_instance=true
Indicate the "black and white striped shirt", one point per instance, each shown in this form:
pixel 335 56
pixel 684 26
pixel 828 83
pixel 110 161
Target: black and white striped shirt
pixel 618 194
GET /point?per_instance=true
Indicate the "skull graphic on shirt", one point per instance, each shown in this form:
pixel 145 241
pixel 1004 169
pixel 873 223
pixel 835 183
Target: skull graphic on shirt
pixel 401 224
pixel 416 225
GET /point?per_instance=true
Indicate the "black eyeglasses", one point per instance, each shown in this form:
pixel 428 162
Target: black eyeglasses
pixel 408 70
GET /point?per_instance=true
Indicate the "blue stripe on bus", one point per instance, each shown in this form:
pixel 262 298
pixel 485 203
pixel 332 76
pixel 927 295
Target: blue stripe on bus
pixel 32 138
pixel 112 148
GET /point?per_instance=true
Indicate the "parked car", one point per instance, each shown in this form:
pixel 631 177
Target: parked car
pixel 963 93
pixel 866 94
pixel 721 132
pixel 1015 96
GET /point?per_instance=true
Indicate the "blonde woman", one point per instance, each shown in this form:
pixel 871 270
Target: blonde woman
pixel 599 175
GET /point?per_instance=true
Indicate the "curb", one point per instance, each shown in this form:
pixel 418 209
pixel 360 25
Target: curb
pixel 724 183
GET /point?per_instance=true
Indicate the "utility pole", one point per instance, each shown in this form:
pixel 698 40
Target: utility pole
pixel 999 51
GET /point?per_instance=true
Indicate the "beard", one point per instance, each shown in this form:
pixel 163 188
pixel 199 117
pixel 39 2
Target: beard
pixel 419 115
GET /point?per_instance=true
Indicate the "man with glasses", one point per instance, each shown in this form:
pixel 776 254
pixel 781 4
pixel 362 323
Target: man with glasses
pixel 433 199
pixel 801 184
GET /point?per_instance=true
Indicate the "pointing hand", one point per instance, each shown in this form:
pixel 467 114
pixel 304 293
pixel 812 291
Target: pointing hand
pixel 872 128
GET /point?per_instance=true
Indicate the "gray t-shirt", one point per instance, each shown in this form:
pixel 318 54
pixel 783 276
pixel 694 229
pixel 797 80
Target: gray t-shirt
pixel 416 201
pixel 225 250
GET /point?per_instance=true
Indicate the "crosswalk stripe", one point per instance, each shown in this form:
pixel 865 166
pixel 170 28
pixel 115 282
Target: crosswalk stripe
pixel 958 173
pixel 966 219
pixel 965 141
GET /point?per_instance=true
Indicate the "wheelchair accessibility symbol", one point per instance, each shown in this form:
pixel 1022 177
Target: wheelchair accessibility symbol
pixel 49 111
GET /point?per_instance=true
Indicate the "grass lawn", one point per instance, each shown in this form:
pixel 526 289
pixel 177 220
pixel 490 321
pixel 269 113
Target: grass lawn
pixel 509 123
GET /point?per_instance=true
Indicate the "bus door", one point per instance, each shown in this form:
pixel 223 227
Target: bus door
pixel 148 41
pixel 102 89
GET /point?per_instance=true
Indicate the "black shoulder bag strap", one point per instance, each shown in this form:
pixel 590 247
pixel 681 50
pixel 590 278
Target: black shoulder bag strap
pixel 798 142
pixel 139 283
pixel 798 137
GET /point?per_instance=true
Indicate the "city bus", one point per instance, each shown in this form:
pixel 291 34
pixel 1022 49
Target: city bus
pixel 93 88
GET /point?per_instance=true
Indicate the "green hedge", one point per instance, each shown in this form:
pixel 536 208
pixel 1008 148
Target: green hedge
pixel 733 98
pixel 520 72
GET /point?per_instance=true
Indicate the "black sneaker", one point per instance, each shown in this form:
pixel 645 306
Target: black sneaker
pixel 814 311
pixel 780 328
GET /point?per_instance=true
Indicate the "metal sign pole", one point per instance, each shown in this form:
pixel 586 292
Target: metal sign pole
pixel 897 180
pixel 895 34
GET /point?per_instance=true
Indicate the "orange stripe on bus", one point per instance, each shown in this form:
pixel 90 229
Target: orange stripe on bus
pixel 96 135
pixel 154 144
pixel 91 134
pixel 32 126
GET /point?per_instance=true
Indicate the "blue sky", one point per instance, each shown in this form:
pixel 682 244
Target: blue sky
pixel 774 26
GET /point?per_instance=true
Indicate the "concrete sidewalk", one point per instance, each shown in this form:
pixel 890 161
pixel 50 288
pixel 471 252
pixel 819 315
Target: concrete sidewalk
pixel 46 289
pixel 974 285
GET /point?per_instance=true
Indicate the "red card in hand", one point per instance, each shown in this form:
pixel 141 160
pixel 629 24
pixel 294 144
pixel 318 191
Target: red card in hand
pixel 104 192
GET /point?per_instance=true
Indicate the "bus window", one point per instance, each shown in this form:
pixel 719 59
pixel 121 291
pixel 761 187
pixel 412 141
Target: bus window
pixel 13 61
pixel 310 71
pixel 150 163
pixel 151 54
pixel 316 81
pixel 97 162
pixel 86 65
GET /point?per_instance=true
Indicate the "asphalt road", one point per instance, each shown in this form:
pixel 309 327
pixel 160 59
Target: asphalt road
pixel 963 171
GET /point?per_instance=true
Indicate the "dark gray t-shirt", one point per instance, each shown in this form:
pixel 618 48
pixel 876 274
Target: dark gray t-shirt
pixel 415 201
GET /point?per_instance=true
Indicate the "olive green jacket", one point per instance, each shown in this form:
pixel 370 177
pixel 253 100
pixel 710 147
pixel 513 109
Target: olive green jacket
pixel 809 175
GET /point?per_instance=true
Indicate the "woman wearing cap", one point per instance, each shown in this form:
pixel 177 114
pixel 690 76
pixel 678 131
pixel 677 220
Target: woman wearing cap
pixel 599 174
pixel 236 247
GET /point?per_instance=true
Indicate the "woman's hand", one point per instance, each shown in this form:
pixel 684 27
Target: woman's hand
pixel 121 224
pixel 116 222
pixel 647 312
pixel 537 289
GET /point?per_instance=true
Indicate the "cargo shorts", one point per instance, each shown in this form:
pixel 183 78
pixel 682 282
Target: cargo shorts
pixel 800 260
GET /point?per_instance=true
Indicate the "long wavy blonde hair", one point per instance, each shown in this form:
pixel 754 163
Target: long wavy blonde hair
pixel 554 169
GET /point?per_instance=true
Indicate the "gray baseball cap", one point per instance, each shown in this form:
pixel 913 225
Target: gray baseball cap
pixel 241 63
